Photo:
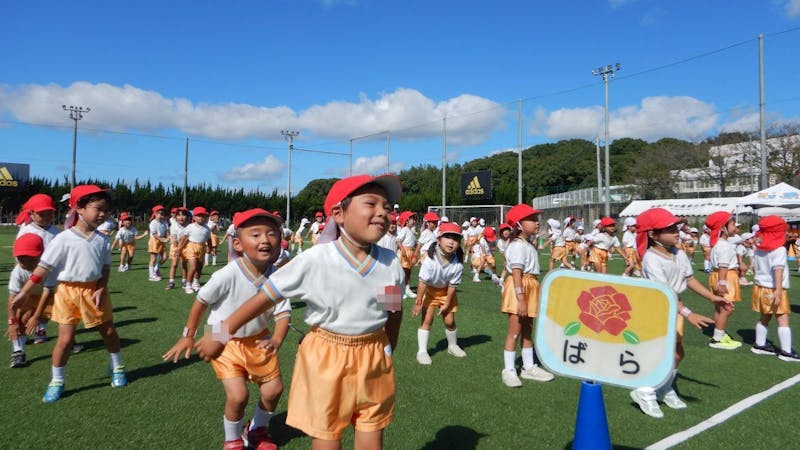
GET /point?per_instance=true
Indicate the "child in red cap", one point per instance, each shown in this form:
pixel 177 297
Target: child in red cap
pixel 126 239
pixel 605 242
pixel 344 372
pixel 214 228
pixel 27 251
pixel 771 288
pixel 192 242
pixel 156 246
pixel 408 247
pixel 82 293
pixel 724 277
pixel 252 353
pixel 177 224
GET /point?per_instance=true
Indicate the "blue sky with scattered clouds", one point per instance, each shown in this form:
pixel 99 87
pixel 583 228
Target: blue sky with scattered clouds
pixel 375 76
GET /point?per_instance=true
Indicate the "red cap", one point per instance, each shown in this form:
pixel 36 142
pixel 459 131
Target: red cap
pixel 157 208
pixel 519 212
pixel 214 212
pixel 173 210
pixel 504 226
pixel 652 219
pixel 489 234
pixel 430 216
pixel 346 186
pixel 181 209
pixel 404 216
pixel 28 244
pixel 199 210
pixel 449 228
pixel 607 221
pixel 321 227
pixel 285 244
pixel 80 191
pixel 715 222
pixel 39 203
pixel 124 216
pixel 240 218
pixel 276 213
pixel 319 214
pixel 771 233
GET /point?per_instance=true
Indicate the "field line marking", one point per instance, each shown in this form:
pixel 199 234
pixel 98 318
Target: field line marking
pixel 723 415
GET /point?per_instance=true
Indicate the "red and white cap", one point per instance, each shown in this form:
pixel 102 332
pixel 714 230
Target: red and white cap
pixel 29 244
pixel 449 228
pixel 37 203
pixel 430 216
pixel 240 218
pixel 519 212
pixel 346 186
pixel 199 211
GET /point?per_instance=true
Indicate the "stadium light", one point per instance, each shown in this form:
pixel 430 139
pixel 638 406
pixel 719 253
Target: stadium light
pixel 76 114
pixel 290 135
pixel 606 73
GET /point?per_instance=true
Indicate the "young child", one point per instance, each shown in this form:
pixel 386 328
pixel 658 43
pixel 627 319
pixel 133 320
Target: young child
pixel 691 244
pixel 315 231
pixel 744 251
pixel 300 235
pixel 214 228
pixel 439 276
pixel 389 240
pixel 559 246
pixel 82 293
pixel 126 239
pixel 408 247
pixel 520 298
pixel 251 354
pixel 704 241
pixel 656 242
pixel 629 243
pixel 344 372
pixel 771 289
pixel 180 221
pixel 724 277
pixel 193 241
pixel 23 319
pixel 605 242
pixel 569 240
pixel 158 239
pixel 427 236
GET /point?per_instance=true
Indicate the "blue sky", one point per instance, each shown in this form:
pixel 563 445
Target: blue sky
pixel 231 75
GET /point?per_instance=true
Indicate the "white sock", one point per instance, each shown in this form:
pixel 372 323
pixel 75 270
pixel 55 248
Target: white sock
pixel 19 343
pixel 116 360
pixel 508 359
pixel 718 334
pixel 527 358
pixel 57 374
pixel 761 334
pixel 261 418
pixel 452 336
pixel 422 340
pixel 205 259
pixel 156 267
pixel 233 430
pixel 214 260
pixel 785 335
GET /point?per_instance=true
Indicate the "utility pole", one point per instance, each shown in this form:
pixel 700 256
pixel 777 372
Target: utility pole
pixel 763 131
pixel 185 170
pixel 444 166
pixel 519 152
pixel 607 72
pixel 76 114
pixel 290 135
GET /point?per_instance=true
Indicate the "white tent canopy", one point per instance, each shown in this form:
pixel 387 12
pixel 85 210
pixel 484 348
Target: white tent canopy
pixel 781 195
pixel 687 206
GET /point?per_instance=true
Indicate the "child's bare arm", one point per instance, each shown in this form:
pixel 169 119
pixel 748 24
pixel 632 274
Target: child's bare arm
pixel 39 274
pixel 392 327
pixel 273 344
pixel 704 292
pixel 451 295
pixel 186 341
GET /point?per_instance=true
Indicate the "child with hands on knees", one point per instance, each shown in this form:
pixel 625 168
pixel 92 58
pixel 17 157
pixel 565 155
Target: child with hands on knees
pixel 23 318
pixel 439 277
pixel 343 373
pixel 657 237
pixel 84 255
pixel 251 353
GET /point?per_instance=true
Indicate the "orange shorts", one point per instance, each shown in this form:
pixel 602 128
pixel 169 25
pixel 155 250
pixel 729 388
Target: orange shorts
pixel 155 246
pixel 31 302
pixel 194 250
pixel 340 380
pixel 571 247
pixel 559 253
pixel 734 291
pixel 435 298
pixel 174 251
pixel 241 358
pixel 530 286
pixel 762 301
pixel 314 238
pixel 633 256
pixel 130 248
pixel 408 257
pixel 599 256
pixel 214 240
pixel 73 303
pixel 478 263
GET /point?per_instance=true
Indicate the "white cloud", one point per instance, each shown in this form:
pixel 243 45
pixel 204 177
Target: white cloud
pixel 269 167
pixel 747 123
pixel 502 150
pixel 374 165
pixel 407 113
pixel 793 8
pixel 657 117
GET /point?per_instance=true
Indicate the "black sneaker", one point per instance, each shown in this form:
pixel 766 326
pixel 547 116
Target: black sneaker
pixel 18 359
pixel 790 356
pixel 766 349
pixel 170 285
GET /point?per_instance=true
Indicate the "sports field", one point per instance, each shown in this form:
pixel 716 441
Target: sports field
pixel 454 403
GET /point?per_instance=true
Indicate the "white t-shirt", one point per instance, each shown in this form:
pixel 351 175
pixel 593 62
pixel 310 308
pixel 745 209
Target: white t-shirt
pixel 107 227
pixel 406 237
pixel 175 231
pixel 521 254
pixel 502 245
pixel 47 234
pixel 230 287
pixel 342 295
pixel 199 234
pixel 426 238
pixel 723 255
pixel 438 272
pixel 605 241
pixel 81 257
pixel 315 227
pixel 765 264
pixel 389 241
pixel 558 238
pixel 18 278
pixel 674 270
pixel 126 235
pixel 569 234
pixel 704 240
pixel 158 228
pixel 629 239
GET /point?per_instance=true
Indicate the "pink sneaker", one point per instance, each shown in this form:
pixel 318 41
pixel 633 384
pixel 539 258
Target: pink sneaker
pixel 41 337
pixel 258 438
pixel 236 444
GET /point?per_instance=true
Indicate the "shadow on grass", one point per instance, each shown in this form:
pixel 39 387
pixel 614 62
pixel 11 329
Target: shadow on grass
pixel 695 380
pixel 280 432
pixel 748 335
pixel 123 308
pixel 795 308
pixel 124 323
pixel 161 368
pixel 464 342
pixel 455 437
pixel 298 305
pixel 69 392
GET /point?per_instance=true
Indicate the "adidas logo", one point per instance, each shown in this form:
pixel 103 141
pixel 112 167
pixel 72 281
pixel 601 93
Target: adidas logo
pixel 474 187
pixel 6 179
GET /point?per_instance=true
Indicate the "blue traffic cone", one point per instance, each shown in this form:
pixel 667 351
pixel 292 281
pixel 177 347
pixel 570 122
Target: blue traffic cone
pixel 591 425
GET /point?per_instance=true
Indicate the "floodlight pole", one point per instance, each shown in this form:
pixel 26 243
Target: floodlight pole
pixel 607 72
pixel 599 176
pixel 388 145
pixel 444 166
pixel 290 135
pixel 76 114
pixel 764 175
pixel 185 171
pixel 519 153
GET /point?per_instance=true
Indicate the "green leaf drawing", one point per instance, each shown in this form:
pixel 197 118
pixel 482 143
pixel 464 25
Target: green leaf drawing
pixel 631 337
pixel 572 328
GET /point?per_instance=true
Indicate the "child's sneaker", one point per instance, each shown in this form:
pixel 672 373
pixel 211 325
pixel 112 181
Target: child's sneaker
pixel 536 373
pixel 235 444
pixel 118 378
pixel 18 359
pixel 170 285
pixel 121 268
pixel 77 348
pixel 196 286
pixel 497 281
pixel 476 278
pixel 258 439
pixel 726 343
pixel 53 392
pixel 646 399
pixel 424 358
pixel 41 337
pixel 672 400
pixel 789 356
pixel 766 349
pixel 154 278
pixel 510 378
pixel 188 289
pixel 409 293
pixel 456 351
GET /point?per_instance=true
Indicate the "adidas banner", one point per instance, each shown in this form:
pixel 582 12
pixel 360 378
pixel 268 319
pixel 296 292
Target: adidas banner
pixel 14 177
pixel 476 185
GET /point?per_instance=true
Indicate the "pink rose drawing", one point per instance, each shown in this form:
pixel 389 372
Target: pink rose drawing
pixel 603 308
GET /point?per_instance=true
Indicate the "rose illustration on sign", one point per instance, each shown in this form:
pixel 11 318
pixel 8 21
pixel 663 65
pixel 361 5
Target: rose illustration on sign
pixel 603 309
